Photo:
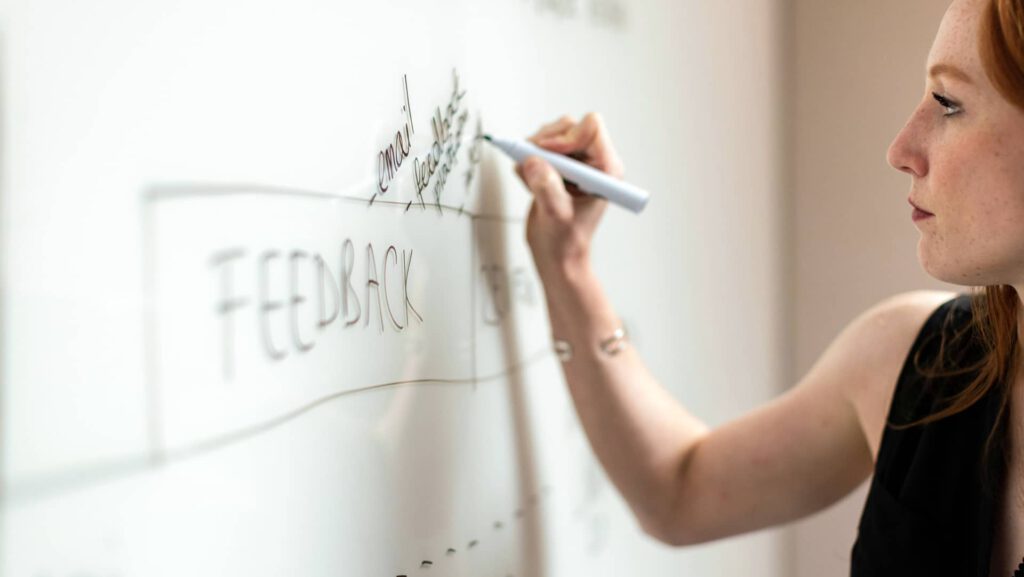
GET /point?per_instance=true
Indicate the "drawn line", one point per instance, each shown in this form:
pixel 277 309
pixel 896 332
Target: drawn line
pixel 166 192
pixel 150 344
pixel 4 299
pixel 242 434
pixel 114 469
pixel 473 284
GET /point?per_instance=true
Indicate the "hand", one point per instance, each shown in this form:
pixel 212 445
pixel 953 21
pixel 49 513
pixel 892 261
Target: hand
pixel 562 221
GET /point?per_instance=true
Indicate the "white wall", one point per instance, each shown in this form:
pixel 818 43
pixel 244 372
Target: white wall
pixel 124 449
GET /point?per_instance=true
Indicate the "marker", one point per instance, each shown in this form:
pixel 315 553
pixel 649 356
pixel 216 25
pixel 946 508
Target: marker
pixel 587 178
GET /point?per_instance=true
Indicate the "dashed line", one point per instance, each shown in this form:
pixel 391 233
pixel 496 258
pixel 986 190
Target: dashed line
pixel 498 525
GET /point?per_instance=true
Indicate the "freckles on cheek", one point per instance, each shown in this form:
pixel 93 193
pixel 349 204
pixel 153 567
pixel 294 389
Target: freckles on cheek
pixel 978 182
pixel 1005 167
pixel 953 175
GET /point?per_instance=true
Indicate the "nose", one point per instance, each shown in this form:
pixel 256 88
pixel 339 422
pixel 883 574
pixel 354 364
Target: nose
pixel 907 151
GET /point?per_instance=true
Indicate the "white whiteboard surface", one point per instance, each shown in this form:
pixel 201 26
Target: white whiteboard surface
pixel 227 350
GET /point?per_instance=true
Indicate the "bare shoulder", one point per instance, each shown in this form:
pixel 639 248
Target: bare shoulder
pixel 887 330
pixel 875 346
pixel 807 448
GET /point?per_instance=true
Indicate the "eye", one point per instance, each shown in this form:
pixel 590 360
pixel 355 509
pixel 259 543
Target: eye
pixel 951 107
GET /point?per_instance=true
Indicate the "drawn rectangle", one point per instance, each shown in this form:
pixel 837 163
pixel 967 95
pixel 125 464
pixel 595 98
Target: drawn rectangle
pixel 265 302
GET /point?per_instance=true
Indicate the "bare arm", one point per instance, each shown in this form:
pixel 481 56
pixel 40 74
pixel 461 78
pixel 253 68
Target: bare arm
pixel 785 460
pixel 685 483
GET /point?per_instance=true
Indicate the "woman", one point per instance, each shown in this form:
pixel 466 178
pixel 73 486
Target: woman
pixel 923 390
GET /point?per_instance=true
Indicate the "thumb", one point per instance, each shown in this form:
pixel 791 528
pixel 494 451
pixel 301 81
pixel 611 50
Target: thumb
pixel 548 189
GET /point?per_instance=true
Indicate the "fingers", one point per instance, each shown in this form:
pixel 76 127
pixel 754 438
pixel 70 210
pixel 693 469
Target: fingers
pixel 548 188
pixel 587 140
pixel 557 127
pixel 571 188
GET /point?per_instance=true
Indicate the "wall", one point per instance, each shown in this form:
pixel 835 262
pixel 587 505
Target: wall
pixel 145 144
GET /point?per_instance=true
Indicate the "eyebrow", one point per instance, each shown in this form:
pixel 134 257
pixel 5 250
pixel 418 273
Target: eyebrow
pixel 951 71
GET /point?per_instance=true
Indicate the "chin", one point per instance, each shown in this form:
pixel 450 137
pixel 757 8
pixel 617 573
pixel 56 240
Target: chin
pixel 951 277
pixel 963 271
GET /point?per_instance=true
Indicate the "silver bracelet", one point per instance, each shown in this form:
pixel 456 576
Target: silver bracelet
pixel 610 346
pixel 614 344
pixel 563 350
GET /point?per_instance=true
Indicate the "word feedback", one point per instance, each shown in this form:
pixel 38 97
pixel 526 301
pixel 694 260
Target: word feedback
pixel 336 297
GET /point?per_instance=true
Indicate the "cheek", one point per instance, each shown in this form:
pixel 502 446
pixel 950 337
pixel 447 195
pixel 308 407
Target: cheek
pixel 981 181
pixel 978 191
pixel 1000 182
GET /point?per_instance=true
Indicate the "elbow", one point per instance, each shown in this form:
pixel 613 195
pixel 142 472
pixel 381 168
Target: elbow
pixel 672 520
pixel 657 531
pixel 667 526
pixel 663 529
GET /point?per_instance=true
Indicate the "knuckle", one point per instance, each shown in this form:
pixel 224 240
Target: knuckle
pixel 561 217
pixel 578 241
pixel 533 168
pixel 548 182
pixel 595 126
pixel 538 176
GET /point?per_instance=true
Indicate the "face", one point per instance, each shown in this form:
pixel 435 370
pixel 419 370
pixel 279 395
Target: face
pixel 964 149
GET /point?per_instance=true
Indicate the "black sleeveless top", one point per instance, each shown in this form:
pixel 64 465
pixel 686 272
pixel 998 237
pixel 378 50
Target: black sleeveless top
pixel 930 508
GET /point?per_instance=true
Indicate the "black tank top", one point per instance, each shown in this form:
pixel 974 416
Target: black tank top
pixel 931 504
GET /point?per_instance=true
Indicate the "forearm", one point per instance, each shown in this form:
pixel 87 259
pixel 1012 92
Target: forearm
pixel 639 432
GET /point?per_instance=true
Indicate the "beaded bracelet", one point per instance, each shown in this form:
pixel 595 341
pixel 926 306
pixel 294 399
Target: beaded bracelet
pixel 611 346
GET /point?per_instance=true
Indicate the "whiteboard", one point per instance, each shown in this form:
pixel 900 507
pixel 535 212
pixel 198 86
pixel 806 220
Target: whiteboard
pixel 267 307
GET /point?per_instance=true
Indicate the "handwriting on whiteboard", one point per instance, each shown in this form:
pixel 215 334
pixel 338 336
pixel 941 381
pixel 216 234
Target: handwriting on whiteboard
pixel 391 157
pixel 504 288
pixel 431 169
pixel 442 157
pixel 335 297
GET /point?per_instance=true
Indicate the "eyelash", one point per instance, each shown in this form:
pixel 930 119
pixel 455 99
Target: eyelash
pixel 951 107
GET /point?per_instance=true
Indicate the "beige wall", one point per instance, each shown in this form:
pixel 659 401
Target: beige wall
pixel 857 72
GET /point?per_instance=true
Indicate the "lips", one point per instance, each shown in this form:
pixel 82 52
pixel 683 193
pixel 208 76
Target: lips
pixel 913 204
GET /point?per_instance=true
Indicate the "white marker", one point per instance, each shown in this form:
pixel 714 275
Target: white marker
pixel 587 178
